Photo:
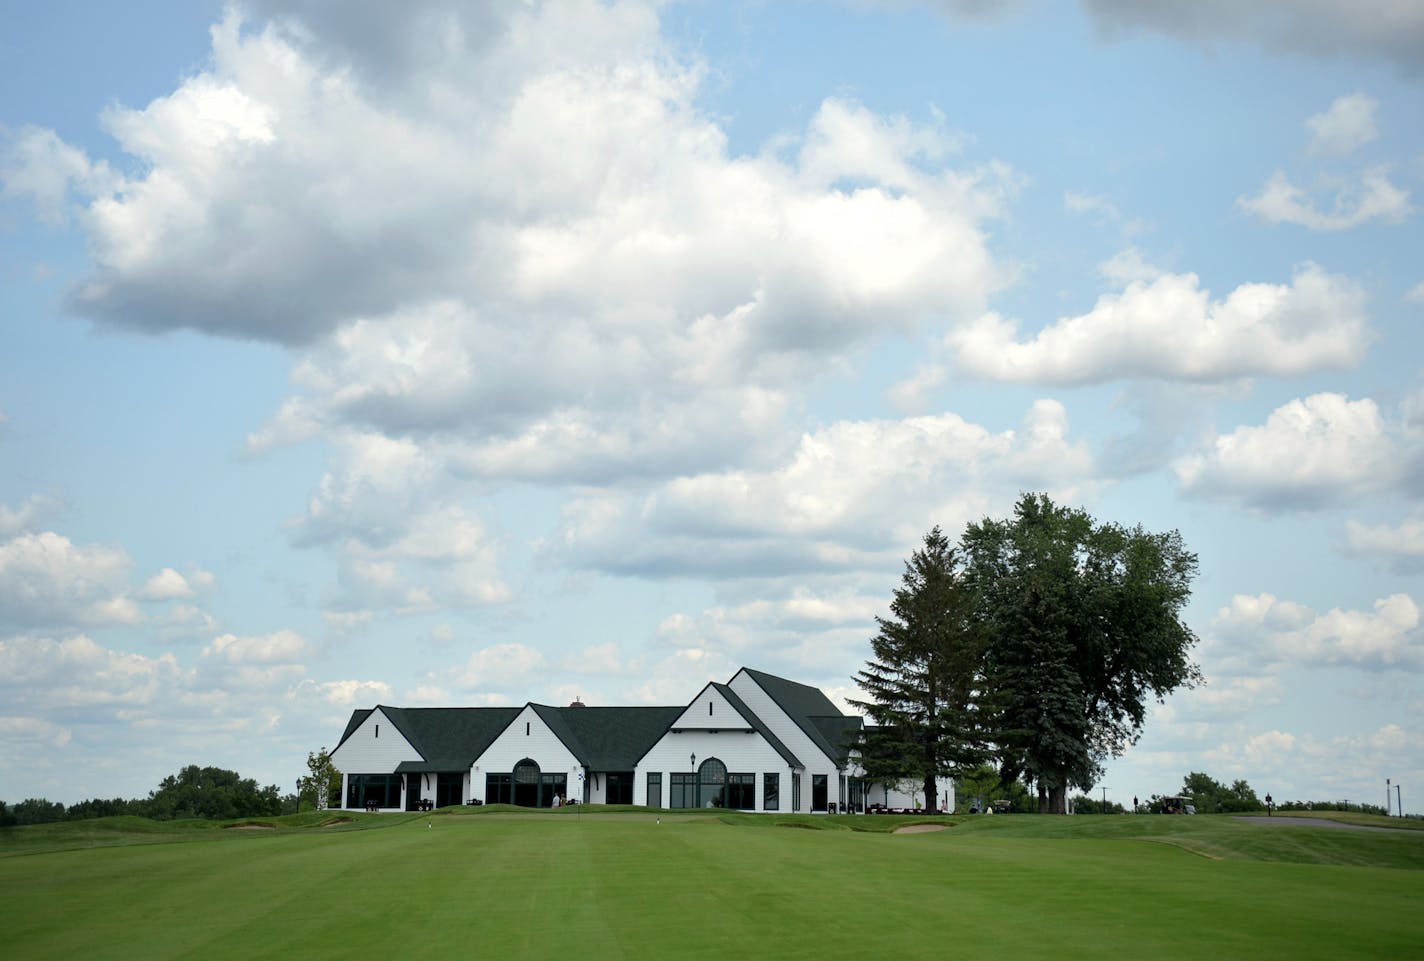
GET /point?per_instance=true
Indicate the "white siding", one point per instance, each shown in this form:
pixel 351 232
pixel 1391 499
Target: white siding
pixel 376 747
pixel 742 753
pixel 528 736
pixel 904 796
pixel 796 741
pixel 711 711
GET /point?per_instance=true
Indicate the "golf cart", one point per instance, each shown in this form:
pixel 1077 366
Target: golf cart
pixel 1178 805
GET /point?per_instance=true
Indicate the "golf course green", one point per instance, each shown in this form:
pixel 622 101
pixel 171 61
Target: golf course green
pixel 638 884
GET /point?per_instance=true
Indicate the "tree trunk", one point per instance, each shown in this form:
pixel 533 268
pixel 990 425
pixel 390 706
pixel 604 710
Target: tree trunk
pixel 930 799
pixel 1052 797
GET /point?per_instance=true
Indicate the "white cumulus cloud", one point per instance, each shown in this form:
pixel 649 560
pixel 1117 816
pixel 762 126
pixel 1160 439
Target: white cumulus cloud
pixel 1353 202
pixel 1311 452
pixel 840 499
pixel 1403 543
pixel 279 647
pixel 31 513
pixel 1168 327
pixel 1348 125
pixel 166 585
pixel 501 667
pixel 1284 633
pixel 46 579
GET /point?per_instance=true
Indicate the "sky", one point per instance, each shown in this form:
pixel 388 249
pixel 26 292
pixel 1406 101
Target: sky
pixel 454 354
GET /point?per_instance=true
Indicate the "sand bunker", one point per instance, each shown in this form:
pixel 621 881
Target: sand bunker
pixel 920 828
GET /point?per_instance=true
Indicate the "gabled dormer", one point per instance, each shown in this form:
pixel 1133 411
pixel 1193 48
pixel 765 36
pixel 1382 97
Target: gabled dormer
pixel 713 710
pixel 375 742
pixel 718 708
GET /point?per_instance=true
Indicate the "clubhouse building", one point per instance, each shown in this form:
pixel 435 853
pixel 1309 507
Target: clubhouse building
pixel 757 743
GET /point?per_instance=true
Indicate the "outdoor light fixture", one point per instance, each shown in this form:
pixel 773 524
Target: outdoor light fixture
pixel 692 760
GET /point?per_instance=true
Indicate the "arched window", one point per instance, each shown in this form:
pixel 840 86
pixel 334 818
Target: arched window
pixel 712 783
pixel 526 783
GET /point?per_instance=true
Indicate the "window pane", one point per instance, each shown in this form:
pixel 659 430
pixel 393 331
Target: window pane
pixel 712 778
pixel 741 792
pixel 619 788
pixel 499 789
pixel 448 788
pixel 382 790
pixel 771 792
pixel 682 790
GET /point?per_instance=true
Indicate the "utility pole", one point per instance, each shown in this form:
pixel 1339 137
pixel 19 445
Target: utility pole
pixel 1105 799
pixel 1386 797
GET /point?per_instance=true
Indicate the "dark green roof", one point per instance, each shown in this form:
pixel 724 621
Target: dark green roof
pixel 357 716
pixel 608 738
pixel 802 703
pixel 740 706
pixel 447 738
pixel 841 731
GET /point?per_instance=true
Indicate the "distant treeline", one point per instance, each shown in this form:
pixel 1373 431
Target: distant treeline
pixel 194 792
pixel 1210 796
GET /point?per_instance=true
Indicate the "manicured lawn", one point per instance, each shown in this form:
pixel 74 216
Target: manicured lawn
pixel 493 885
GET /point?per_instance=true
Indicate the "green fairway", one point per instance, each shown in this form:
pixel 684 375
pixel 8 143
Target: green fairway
pixel 561 885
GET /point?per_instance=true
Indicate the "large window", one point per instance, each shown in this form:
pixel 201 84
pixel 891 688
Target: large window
pixel 655 789
pixel 449 786
pixel 550 785
pixel 771 792
pixel 741 792
pixel 818 792
pixel 619 787
pixel 382 790
pixel 527 786
pixel 499 788
pixel 682 790
pixel 712 784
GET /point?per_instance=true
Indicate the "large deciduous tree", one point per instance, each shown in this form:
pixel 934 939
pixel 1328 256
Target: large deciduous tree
pixel 1084 626
pixel 211 792
pixel 923 679
pixel 1210 796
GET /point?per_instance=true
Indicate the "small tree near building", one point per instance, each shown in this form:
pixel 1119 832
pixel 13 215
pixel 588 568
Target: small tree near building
pixel 321 787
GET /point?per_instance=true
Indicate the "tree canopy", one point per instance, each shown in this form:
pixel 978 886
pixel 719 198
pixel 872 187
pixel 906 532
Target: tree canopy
pixel 321 787
pixel 1210 796
pixel 212 792
pixel 1084 625
pixel 923 678
pixel 1045 634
